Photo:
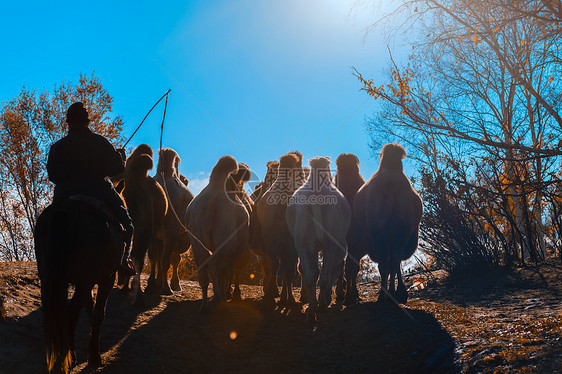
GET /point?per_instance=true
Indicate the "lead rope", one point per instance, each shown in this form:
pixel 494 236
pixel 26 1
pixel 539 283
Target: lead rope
pixel 185 229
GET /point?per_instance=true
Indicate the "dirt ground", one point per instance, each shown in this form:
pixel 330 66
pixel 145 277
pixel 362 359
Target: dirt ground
pixel 503 321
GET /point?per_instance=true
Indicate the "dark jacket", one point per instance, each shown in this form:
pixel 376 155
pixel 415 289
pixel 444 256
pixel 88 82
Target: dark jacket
pixel 81 161
pixel 82 156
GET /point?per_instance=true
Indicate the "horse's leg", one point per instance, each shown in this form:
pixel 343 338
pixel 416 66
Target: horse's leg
pixel 80 297
pixel 154 254
pixel 175 281
pixel 401 292
pixel 104 288
pixel 383 271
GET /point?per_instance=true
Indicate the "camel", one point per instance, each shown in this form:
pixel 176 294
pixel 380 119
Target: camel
pixel 318 217
pixel 174 239
pixel 219 231
pixel 237 193
pixel 270 177
pixel 277 241
pixel 256 242
pixel 348 180
pixel 147 205
pixel 389 210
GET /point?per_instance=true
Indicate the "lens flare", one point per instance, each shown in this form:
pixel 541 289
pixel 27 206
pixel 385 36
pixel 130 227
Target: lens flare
pixel 233 335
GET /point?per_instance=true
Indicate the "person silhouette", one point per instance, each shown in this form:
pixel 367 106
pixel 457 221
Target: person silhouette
pixel 81 162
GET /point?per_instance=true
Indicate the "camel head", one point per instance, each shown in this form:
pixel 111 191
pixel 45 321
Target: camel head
pixel 243 174
pixel 392 155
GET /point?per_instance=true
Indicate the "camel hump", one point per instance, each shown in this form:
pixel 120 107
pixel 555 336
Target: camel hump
pixel 319 162
pixel 225 165
pixel 347 159
pixel 288 161
pixel 142 149
pixel 141 162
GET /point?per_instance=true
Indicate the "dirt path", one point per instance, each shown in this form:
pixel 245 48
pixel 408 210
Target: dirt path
pixel 508 322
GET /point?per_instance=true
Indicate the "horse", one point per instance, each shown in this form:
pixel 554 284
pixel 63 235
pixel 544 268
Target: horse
pixel 389 211
pixel 77 241
pixel 318 217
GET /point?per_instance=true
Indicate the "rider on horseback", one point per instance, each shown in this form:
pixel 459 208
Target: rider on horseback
pixel 79 164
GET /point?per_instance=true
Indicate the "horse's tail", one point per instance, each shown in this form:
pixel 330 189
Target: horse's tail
pixel 54 293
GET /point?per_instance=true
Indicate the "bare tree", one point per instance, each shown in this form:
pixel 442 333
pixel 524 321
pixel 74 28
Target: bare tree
pixel 29 124
pixel 477 104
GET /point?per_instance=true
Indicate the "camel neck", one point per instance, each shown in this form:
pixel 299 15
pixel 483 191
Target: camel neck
pixel 166 172
pixel 391 165
pixel 320 179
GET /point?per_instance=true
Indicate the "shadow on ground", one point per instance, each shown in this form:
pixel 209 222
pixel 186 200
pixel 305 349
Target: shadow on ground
pixel 245 338
pixel 23 344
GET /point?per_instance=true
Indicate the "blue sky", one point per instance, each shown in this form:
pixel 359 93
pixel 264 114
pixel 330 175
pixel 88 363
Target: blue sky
pixel 253 79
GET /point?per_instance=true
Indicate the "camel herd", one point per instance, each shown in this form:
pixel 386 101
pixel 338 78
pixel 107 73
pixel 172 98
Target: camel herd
pixel 293 215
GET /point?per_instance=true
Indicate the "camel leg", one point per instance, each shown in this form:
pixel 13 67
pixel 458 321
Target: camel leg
pixel 266 263
pixel 236 294
pixel 401 292
pixel 104 288
pixel 309 261
pixel 203 278
pixel 392 281
pixel 351 271
pixel 123 282
pixel 341 285
pixel 154 254
pixel 169 245
pixel 289 266
pixel 331 270
pixel 141 241
pixel 383 271
pixel 304 293
pixel 175 281
pixel 270 288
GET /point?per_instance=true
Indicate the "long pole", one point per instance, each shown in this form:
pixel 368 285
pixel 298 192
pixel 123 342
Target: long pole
pixel 138 127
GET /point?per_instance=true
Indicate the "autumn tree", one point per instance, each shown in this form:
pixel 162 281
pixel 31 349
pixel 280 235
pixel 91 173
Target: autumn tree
pixel 29 124
pixel 477 105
